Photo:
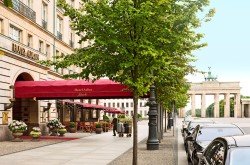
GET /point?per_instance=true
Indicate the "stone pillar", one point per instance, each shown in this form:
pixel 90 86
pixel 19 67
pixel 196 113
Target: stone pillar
pixel 242 110
pixel 193 105
pixel 203 105
pixel 216 105
pixel 237 105
pixel 227 105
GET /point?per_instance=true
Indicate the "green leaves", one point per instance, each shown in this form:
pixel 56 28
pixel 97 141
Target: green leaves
pixel 137 42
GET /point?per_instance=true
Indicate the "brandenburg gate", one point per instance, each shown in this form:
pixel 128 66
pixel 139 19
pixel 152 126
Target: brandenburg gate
pixel 213 87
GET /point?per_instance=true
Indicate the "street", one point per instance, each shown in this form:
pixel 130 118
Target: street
pixel 243 123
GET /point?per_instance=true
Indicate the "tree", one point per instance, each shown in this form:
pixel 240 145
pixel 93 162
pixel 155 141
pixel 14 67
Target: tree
pixel 132 41
pixel 197 112
pixel 8 3
pixel 210 108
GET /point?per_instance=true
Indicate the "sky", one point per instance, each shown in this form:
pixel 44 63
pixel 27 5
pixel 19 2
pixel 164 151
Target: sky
pixel 228 39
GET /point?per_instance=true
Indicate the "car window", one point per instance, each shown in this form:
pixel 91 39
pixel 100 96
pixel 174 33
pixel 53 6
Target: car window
pixel 214 154
pixel 209 134
pixel 192 125
pixel 240 156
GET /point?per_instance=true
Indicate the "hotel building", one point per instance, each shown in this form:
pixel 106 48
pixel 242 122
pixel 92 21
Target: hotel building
pixel 31 30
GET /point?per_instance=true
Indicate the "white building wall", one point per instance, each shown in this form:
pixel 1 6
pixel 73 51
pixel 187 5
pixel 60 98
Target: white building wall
pixel 127 105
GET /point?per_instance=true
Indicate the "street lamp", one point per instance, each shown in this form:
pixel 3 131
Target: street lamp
pixel 152 142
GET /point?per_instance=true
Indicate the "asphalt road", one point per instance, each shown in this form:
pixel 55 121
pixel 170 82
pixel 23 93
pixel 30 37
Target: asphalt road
pixel 243 123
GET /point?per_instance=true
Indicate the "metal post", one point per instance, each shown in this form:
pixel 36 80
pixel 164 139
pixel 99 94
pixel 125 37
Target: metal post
pixel 152 142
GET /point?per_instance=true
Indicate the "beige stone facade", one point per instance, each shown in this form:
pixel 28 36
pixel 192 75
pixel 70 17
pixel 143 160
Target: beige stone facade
pixel 31 30
pixel 216 89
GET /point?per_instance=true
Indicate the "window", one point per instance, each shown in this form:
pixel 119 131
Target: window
pixel 48 50
pixel 132 113
pixel 126 104
pixel 108 104
pixel 44 15
pixel 141 112
pixel 59 27
pixel 140 104
pixel 104 104
pixel 1 26
pixel 122 105
pixel 41 47
pixel 145 113
pixel 131 104
pixel 113 104
pixel 30 40
pixel 15 33
pixel 118 105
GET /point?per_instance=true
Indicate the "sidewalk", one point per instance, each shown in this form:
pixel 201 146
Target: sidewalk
pixel 95 149
pixel 100 149
pixel 166 155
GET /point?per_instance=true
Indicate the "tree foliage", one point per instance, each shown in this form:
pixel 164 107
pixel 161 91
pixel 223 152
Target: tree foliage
pixel 137 43
pixel 8 3
pixel 210 108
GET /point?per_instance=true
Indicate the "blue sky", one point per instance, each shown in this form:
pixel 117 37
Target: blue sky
pixel 228 38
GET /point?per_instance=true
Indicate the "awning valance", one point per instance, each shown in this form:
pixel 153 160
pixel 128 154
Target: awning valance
pixel 66 89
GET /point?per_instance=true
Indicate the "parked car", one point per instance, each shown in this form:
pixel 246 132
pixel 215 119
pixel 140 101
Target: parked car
pixel 205 134
pixel 234 150
pixel 185 122
pixel 192 124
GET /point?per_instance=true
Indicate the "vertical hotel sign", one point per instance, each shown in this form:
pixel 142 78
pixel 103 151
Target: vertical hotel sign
pixel 25 53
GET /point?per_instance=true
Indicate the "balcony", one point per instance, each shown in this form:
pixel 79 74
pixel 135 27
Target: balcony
pixel 59 35
pixel 71 43
pixel 24 10
pixel 44 24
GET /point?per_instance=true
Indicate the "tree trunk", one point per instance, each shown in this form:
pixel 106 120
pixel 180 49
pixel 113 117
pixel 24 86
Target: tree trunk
pixel 169 116
pixel 135 99
pixel 165 120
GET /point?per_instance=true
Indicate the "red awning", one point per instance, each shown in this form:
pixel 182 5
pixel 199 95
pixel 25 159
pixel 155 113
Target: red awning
pixel 63 89
pixel 114 110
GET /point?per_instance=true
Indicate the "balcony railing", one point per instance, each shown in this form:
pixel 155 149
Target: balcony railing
pixel 24 10
pixel 59 35
pixel 44 24
pixel 71 43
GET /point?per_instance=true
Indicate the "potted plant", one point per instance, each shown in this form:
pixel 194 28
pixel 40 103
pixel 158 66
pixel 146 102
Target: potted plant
pixel 53 126
pixel 62 130
pixel 35 133
pixel 72 127
pixel 17 128
pixel 98 127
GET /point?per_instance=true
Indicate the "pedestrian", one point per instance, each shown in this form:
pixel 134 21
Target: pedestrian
pixel 114 122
